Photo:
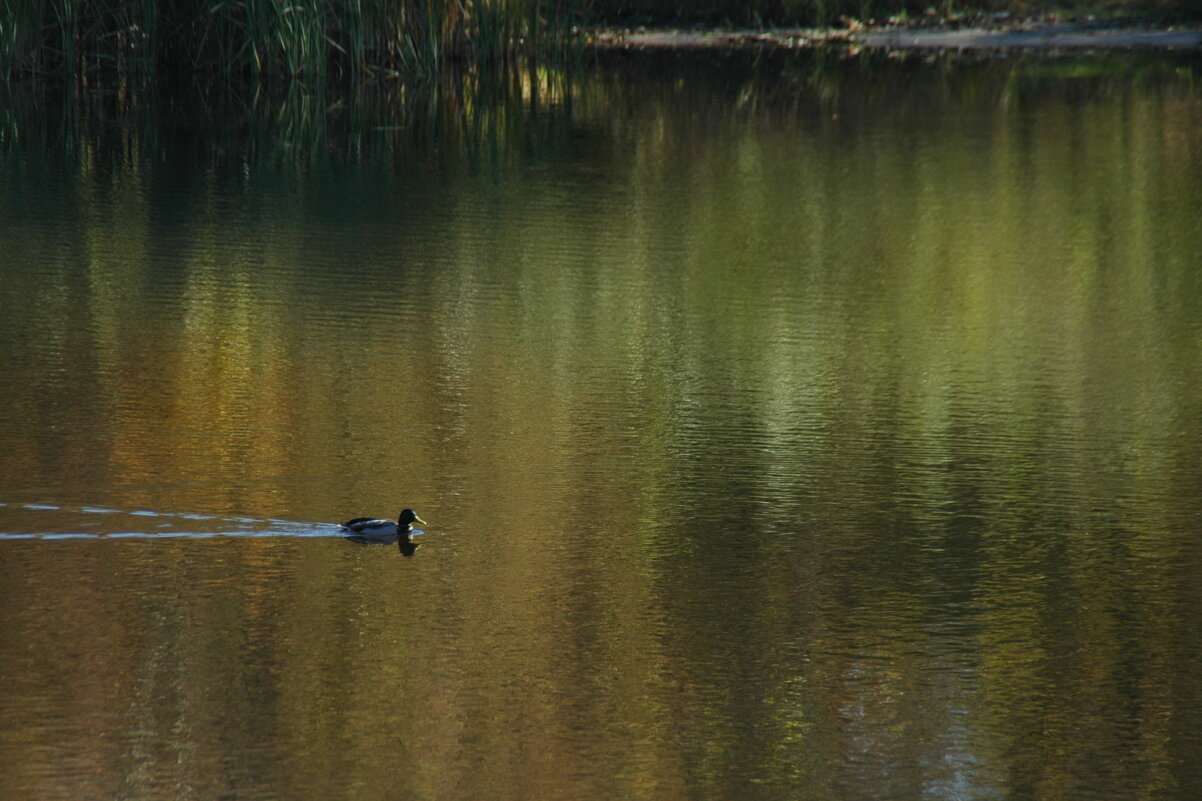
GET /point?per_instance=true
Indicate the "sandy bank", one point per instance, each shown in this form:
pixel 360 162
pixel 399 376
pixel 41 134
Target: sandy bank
pixel 1051 37
pixel 1039 36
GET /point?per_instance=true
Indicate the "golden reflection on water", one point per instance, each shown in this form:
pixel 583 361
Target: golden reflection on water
pixel 816 445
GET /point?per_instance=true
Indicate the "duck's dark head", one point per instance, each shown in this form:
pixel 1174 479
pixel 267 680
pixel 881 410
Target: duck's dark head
pixel 408 516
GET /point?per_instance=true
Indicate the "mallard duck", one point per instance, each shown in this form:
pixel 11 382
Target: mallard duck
pixel 382 530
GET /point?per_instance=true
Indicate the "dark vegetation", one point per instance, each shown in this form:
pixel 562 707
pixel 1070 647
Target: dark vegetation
pixel 320 38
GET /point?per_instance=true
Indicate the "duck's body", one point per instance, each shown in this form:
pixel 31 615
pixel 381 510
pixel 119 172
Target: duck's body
pixel 380 530
pixel 369 527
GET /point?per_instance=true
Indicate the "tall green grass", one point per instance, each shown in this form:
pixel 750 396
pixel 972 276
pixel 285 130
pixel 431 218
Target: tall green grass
pixel 293 38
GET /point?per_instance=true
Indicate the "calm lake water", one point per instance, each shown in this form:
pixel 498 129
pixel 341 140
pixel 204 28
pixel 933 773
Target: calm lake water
pixel 787 427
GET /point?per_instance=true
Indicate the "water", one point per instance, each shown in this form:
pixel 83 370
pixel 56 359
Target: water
pixel 787 427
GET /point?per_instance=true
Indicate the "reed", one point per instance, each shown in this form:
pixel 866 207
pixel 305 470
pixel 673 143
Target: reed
pixel 284 38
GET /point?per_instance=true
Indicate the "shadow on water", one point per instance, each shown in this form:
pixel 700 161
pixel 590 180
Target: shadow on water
pixel 480 119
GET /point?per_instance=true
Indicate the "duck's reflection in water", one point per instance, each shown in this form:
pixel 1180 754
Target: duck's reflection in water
pixel 405 543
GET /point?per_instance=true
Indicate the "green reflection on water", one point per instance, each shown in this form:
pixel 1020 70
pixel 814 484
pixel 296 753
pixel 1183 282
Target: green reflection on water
pixel 825 435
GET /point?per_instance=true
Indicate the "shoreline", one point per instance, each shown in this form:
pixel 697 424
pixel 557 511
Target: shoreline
pixel 1033 36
